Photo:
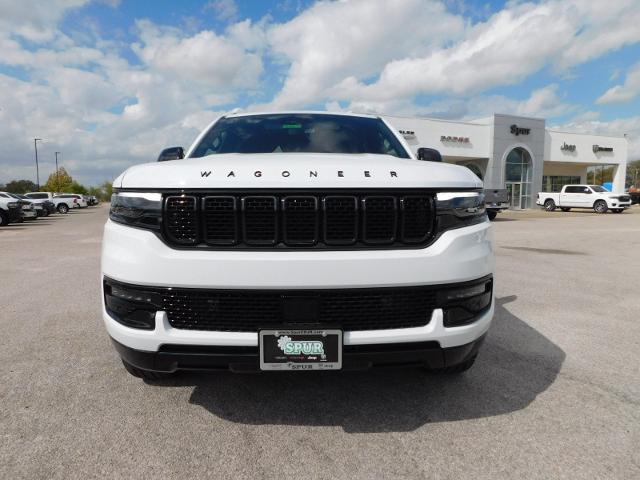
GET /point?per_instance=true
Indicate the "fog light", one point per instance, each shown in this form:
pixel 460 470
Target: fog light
pixel 131 307
pixel 464 305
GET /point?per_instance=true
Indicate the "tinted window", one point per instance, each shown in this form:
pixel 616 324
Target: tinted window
pixel 574 190
pixel 314 133
pixel 598 188
pixel 37 195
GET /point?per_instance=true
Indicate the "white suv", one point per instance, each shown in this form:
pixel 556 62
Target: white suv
pixel 297 241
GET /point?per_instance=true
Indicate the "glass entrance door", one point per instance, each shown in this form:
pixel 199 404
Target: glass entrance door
pixel 518 178
pixel 515 195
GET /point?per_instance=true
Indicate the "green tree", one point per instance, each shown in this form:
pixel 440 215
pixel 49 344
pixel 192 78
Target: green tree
pixel 77 188
pixel 60 182
pixel 95 191
pixel 21 186
pixel 107 191
pixel 633 174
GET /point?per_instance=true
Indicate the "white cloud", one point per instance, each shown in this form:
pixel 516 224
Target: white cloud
pixel 544 102
pixel 224 10
pixel 332 41
pixel 32 19
pixel 511 45
pixel 204 58
pixel 625 92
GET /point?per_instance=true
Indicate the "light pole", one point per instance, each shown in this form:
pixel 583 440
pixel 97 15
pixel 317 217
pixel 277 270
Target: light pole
pixel 57 174
pixel 35 146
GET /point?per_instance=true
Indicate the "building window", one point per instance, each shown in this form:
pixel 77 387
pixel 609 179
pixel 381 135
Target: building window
pixel 554 183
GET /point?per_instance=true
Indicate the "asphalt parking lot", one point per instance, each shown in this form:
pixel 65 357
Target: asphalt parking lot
pixel 555 392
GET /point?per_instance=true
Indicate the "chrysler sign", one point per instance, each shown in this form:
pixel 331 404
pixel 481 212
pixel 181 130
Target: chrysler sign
pixel 598 148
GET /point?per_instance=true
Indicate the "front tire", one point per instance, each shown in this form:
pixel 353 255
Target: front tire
pixel 549 205
pixel 600 206
pixel 565 209
pixel 4 219
pixel 145 374
pixel 492 214
pixel 63 208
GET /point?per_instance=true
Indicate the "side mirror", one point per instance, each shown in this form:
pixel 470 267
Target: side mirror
pixel 586 190
pixel 429 155
pixel 172 153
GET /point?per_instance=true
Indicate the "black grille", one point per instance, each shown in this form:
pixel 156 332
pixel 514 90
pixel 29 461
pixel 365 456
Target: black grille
pixel 250 310
pixel 624 198
pixel 300 219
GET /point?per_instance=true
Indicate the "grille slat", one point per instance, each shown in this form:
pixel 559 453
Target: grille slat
pixel 260 221
pixel 220 220
pixel 380 219
pixel 300 220
pixel 307 219
pixel 181 219
pixel 416 214
pixel 340 220
pixel 248 310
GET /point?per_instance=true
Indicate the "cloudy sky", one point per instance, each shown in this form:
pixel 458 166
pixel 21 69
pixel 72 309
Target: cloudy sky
pixel 109 83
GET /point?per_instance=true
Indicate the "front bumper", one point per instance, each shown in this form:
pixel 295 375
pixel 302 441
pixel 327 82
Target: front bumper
pixel 497 206
pixel 139 257
pixel 171 358
pixel 29 214
pixel 615 204
pixel 15 214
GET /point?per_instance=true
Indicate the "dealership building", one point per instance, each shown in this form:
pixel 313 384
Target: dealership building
pixel 518 153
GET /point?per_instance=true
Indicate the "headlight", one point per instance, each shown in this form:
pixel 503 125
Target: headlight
pixel 459 209
pixel 137 209
pixel 13 205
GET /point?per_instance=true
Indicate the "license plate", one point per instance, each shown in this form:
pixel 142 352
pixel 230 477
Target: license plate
pixel 313 349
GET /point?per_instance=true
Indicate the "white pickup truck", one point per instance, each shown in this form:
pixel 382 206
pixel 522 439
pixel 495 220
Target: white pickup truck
pixel 584 196
pixel 63 202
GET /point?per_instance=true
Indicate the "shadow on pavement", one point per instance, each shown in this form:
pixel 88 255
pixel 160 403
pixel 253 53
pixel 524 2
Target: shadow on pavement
pixel 515 365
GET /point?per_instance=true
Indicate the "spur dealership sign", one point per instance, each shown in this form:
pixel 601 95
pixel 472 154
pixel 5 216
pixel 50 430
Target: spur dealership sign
pixel 516 130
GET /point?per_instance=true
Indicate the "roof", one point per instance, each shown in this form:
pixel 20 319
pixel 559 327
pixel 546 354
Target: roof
pixel 299 112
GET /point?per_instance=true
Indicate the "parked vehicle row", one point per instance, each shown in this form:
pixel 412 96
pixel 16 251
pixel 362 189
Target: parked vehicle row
pixel 16 208
pixel 584 196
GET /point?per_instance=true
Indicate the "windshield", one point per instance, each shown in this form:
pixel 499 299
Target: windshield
pixel 311 133
pixel 598 188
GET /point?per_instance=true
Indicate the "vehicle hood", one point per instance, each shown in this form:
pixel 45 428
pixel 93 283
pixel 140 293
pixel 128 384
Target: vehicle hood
pixel 297 170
